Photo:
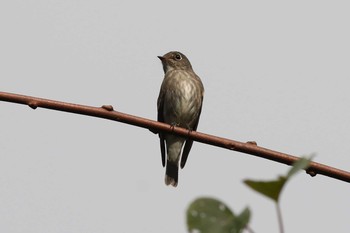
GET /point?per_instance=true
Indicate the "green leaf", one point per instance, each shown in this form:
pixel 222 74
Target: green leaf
pixel 208 215
pixel 270 189
pixel 241 220
pixel 273 188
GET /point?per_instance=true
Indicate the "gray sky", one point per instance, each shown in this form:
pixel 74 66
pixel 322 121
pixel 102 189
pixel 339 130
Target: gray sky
pixel 274 72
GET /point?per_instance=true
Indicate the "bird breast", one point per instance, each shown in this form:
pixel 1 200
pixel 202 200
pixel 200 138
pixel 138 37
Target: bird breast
pixel 183 97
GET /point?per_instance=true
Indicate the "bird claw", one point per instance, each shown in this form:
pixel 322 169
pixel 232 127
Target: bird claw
pixel 189 132
pixel 172 126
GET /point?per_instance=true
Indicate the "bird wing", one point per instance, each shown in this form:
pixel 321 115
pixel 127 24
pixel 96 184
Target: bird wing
pixel 188 144
pixel 160 105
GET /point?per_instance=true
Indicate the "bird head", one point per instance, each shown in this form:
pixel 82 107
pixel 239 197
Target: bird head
pixel 175 61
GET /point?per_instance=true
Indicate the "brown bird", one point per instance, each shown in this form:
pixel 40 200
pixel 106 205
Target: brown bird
pixel 179 104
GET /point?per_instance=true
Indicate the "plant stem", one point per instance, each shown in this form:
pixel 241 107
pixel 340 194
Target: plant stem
pixel 280 220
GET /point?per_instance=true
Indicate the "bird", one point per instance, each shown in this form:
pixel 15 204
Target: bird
pixel 179 104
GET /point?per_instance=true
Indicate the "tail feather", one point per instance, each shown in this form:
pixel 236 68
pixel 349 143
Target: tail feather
pixel 171 173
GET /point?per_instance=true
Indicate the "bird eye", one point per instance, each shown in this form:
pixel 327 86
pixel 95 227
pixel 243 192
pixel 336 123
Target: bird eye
pixel 178 57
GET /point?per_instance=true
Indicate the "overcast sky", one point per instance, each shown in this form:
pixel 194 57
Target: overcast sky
pixel 274 72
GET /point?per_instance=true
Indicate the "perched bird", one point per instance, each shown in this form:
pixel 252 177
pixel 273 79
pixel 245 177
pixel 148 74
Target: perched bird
pixel 179 104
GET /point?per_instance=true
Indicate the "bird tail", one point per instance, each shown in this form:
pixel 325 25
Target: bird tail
pixel 171 173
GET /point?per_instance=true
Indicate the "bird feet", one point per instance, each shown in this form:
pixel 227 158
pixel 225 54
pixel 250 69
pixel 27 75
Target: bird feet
pixel 172 125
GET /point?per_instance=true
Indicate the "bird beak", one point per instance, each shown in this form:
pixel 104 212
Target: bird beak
pixel 164 63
